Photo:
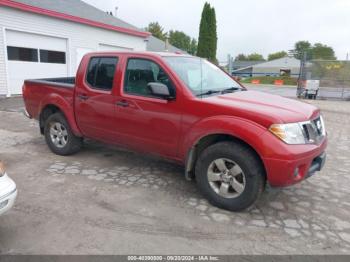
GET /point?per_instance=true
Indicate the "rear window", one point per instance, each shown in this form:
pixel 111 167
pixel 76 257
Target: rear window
pixel 100 72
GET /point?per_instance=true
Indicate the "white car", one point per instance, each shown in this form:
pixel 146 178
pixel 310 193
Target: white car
pixel 8 191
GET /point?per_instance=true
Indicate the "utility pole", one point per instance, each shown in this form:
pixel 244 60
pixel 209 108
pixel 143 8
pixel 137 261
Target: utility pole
pixel 166 44
pixel 347 56
pixel 229 64
pixel 302 74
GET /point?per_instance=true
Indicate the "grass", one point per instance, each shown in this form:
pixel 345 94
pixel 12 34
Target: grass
pixel 270 80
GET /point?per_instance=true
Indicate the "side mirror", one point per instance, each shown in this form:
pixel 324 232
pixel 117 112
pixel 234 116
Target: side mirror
pixel 159 90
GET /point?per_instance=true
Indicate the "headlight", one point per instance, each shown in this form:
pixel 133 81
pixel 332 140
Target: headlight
pixel 2 169
pixel 289 133
pixel 323 126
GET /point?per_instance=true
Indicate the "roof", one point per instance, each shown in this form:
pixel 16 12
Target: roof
pixel 75 11
pixel 280 62
pixel 240 64
pixel 163 54
pixel 157 45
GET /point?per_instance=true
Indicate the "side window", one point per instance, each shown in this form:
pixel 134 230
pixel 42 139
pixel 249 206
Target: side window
pixel 91 71
pixel 140 72
pixel 100 72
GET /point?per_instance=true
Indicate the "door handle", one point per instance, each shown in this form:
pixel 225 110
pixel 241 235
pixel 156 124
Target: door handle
pixel 83 97
pixel 122 103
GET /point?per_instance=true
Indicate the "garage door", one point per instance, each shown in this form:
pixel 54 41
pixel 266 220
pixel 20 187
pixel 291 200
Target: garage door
pixel 105 47
pixel 31 56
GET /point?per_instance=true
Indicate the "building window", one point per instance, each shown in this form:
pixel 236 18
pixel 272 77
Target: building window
pixel 100 73
pixel 22 54
pixel 55 57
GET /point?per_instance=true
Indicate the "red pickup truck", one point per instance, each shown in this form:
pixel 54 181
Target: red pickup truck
pixel 230 140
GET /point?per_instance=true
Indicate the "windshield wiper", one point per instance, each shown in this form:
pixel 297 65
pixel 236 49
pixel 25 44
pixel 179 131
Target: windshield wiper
pixel 230 89
pixel 222 91
pixel 209 92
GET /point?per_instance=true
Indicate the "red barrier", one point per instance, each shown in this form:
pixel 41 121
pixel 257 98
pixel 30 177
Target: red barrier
pixel 279 82
pixel 255 81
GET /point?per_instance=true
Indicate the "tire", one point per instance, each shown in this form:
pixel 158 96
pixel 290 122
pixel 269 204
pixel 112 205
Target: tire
pixel 244 168
pixel 59 136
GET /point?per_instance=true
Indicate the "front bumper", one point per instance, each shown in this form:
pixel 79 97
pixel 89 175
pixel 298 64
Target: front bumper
pixel 300 163
pixel 8 194
pixel 317 164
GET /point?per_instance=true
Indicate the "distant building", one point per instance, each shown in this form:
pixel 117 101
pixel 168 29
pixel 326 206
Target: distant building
pixel 45 38
pixel 243 68
pixel 282 66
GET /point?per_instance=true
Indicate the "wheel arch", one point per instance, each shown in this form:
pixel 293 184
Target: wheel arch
pixel 46 112
pixel 208 140
pixel 52 108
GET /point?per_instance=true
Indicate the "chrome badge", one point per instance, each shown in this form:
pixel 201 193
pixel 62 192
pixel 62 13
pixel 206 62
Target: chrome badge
pixel 318 124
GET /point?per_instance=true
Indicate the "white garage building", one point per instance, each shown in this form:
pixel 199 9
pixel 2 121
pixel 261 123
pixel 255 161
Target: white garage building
pixel 47 38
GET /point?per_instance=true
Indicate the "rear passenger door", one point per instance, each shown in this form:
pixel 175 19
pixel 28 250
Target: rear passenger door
pixel 94 101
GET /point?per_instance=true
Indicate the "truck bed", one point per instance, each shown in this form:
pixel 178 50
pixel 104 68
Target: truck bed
pixel 36 92
pixel 58 81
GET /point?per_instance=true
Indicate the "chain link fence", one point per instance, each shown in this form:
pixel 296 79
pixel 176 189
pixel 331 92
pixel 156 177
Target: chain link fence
pixel 334 77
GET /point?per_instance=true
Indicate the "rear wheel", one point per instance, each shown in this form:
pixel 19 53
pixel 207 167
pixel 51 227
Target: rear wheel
pixel 59 136
pixel 230 175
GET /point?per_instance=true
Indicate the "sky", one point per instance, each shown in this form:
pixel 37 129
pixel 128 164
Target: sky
pixel 247 26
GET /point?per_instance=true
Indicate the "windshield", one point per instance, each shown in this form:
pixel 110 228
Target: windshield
pixel 201 76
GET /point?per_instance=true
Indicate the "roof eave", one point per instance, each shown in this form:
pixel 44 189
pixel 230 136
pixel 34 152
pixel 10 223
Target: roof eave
pixel 76 19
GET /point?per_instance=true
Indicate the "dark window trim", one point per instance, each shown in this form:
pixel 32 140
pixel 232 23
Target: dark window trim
pixel 99 60
pixel 139 95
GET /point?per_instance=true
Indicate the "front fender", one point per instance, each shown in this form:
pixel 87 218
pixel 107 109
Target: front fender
pixel 240 128
pixel 66 107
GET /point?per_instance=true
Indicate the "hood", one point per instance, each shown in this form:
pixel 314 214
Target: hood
pixel 264 109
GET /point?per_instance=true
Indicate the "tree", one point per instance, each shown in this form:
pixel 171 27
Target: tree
pixel 214 35
pixel 156 30
pixel 316 51
pixel 250 57
pixel 276 55
pixel 301 48
pixel 322 52
pixel 255 57
pixel 183 41
pixel 241 57
pixel 193 47
pixel 207 40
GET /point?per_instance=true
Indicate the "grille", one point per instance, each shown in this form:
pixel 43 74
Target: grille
pixel 314 130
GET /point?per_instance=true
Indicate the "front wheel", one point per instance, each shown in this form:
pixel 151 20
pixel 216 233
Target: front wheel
pixel 230 175
pixel 59 136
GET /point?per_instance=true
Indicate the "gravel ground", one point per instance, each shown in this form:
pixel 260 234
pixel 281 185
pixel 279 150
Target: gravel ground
pixel 107 200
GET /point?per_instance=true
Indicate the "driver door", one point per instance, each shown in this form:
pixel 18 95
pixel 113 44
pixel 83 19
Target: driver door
pixel 146 123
